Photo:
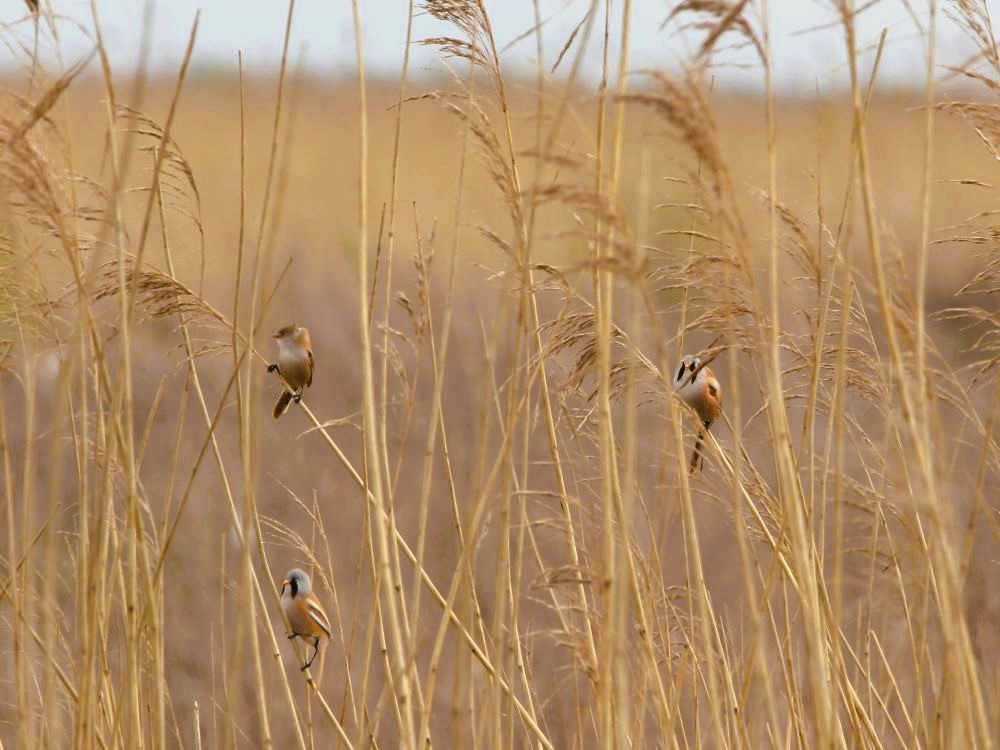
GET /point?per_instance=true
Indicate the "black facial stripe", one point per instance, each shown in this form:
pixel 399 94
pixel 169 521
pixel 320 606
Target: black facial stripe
pixel 680 372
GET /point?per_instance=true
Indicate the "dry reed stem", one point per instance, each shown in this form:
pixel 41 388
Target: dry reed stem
pixel 854 609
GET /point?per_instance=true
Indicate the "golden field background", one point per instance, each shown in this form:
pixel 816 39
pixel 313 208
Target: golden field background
pixel 872 547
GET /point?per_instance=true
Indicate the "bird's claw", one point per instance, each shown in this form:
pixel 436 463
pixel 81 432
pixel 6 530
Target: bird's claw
pixel 272 368
pixel 297 398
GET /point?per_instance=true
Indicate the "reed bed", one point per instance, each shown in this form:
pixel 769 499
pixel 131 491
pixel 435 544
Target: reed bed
pixel 488 481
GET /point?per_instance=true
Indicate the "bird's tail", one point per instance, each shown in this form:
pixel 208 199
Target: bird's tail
pixel 697 459
pixel 281 406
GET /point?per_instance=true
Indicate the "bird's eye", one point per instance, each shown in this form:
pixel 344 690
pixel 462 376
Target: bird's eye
pixel 680 372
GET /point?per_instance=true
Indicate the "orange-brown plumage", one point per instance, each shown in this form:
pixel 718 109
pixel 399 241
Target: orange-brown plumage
pixel 295 364
pixel 698 387
pixel 306 616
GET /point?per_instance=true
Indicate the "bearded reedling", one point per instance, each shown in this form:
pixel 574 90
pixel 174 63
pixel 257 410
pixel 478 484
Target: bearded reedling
pixel 697 386
pixel 304 612
pixel 295 365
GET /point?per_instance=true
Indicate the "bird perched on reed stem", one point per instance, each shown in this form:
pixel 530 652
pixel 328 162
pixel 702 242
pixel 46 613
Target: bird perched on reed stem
pixel 304 612
pixel 698 387
pixel 295 365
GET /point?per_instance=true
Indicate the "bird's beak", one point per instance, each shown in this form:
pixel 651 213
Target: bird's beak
pixel 275 335
pixel 283 584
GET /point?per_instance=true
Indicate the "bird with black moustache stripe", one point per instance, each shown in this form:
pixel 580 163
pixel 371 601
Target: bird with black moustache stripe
pixel 698 387
pixel 305 614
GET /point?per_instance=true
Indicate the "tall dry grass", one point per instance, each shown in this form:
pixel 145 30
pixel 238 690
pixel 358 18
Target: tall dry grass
pixel 488 480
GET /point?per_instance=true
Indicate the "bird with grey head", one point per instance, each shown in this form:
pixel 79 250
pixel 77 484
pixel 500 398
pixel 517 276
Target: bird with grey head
pixel 306 617
pixel 698 387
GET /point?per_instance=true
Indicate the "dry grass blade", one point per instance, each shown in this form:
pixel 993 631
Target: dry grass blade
pixel 488 478
pixel 48 100
pixel 158 295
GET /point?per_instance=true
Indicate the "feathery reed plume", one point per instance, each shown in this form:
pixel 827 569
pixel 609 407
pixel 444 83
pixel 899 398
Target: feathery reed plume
pixel 508 543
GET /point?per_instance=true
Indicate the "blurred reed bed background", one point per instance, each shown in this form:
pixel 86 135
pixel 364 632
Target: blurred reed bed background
pixel 488 479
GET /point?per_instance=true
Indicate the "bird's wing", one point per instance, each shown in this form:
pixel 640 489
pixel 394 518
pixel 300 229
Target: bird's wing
pixel 715 390
pixel 318 616
pixel 309 382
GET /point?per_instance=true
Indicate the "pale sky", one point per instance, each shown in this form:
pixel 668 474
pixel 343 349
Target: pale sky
pixel 322 31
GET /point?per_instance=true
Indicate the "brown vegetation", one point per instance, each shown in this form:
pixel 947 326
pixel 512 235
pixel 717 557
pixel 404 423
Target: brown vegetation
pixel 488 478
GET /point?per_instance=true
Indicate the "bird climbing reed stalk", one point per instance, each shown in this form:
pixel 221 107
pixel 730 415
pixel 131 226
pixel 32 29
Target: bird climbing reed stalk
pixel 514 505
